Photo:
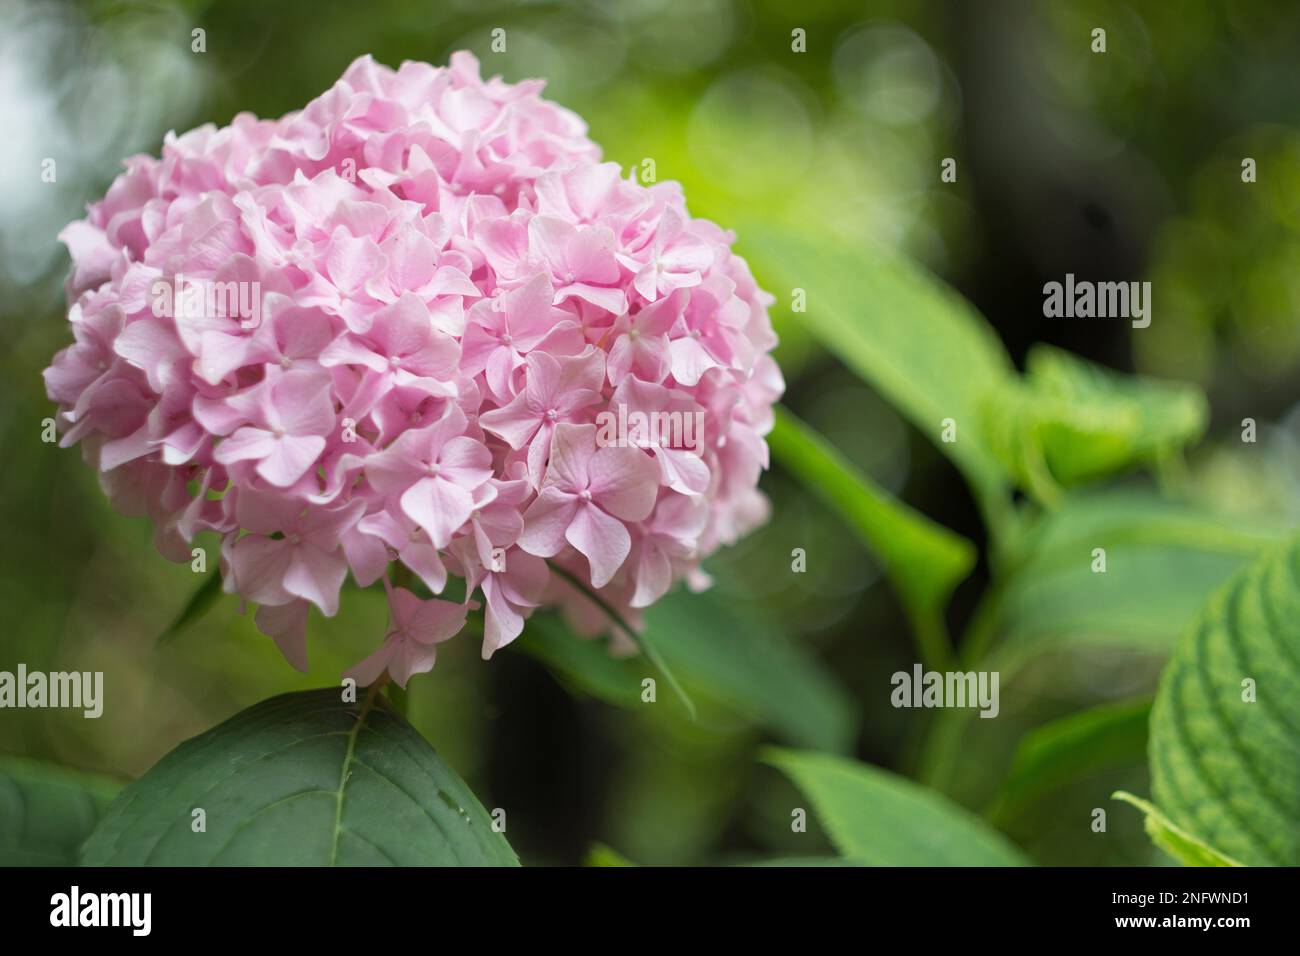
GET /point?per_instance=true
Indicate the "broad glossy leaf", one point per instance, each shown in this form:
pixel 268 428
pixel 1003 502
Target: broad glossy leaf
pixel 47 811
pixel 878 818
pixel 1225 730
pixel 301 779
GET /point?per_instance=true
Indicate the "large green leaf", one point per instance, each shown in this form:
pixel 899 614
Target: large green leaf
pixel 47 811
pixel 301 779
pixel 1161 558
pixel 1225 730
pixel 924 560
pixel 881 819
pixel 922 346
pixel 1070 420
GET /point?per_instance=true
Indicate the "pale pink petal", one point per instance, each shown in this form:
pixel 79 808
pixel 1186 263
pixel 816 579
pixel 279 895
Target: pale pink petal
pixel 287 625
pixel 602 538
pixel 545 522
pixel 624 481
pixel 439 507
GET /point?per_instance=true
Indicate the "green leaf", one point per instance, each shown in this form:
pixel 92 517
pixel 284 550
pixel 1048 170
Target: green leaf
pixel 1161 559
pixel 47 811
pixel 924 560
pixel 1174 840
pixel 301 779
pixel 1069 421
pixel 200 602
pixel 881 819
pixel 919 343
pixel 1100 738
pixel 1225 730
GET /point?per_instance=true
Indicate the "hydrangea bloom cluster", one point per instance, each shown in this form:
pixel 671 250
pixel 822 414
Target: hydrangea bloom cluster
pixel 418 321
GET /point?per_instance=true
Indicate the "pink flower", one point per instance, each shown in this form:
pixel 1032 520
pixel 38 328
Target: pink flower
pixel 669 425
pixel 400 348
pixel 435 470
pixel 385 327
pixel 512 583
pixel 410 543
pixel 667 543
pixel 587 495
pixel 415 629
pixel 302 560
pixel 501 332
pixel 582 259
pixel 555 390
pixel 640 340
pixel 289 416
pixel 675 259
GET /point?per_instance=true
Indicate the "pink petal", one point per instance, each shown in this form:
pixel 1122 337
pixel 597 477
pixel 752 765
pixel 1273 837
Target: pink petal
pixel 439 507
pixel 422 558
pixel 289 458
pixel 287 625
pixel 603 539
pixel 514 423
pixel 624 481
pixel 370 669
pixel 545 522
pixel 316 576
pixel 572 449
pixel 654 575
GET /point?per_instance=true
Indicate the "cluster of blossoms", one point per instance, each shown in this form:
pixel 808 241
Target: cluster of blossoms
pixel 394 326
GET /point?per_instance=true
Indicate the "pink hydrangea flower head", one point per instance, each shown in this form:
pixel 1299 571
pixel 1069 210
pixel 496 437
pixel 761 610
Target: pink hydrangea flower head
pixel 417 331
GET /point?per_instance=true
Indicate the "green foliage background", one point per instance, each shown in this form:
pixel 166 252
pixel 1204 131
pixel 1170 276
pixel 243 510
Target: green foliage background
pixel 924 304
